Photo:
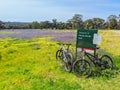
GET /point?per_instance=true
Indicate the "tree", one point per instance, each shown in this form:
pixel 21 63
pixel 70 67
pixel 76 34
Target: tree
pixel 105 25
pixel 95 23
pixel 61 25
pixel 98 23
pixel 54 23
pixel 45 24
pixel 1 25
pixel 76 21
pixel 35 25
pixel 118 22
pixel 69 24
pixel 112 22
pixel 88 24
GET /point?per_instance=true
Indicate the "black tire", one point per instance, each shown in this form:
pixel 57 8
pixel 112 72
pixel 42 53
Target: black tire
pixel 106 62
pixel 82 68
pixel 59 58
pixel 59 55
pixel 68 65
pixel 72 56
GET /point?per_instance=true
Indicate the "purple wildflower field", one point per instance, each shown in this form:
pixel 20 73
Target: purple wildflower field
pixel 56 35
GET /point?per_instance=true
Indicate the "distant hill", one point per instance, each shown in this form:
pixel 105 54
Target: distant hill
pixel 16 23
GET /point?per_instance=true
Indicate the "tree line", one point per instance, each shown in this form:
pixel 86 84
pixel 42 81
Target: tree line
pixel 76 22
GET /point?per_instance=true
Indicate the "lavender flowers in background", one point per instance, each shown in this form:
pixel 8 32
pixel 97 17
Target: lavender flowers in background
pixel 30 33
pixel 65 37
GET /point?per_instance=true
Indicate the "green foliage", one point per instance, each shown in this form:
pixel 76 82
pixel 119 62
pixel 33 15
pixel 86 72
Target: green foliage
pixel 35 25
pixel 112 22
pixel 36 46
pixel 31 65
pixel 54 25
pixel 11 51
pixel 77 22
pixel 1 25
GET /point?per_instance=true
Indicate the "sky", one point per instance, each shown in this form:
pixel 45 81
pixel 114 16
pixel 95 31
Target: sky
pixel 62 10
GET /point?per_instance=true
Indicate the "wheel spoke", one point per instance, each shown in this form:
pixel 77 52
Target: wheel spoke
pixel 82 69
pixel 106 62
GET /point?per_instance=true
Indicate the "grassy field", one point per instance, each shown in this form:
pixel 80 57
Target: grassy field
pixel 30 64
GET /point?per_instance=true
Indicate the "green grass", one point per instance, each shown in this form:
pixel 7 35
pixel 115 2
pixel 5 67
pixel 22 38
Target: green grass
pixel 9 32
pixel 31 65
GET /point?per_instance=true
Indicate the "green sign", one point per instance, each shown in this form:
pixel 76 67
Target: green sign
pixel 85 38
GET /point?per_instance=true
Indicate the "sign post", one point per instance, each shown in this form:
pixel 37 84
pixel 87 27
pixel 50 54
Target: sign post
pixel 85 40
